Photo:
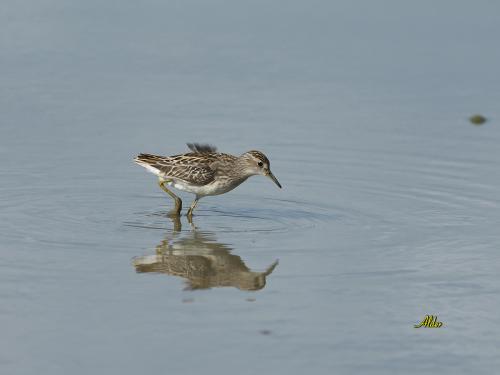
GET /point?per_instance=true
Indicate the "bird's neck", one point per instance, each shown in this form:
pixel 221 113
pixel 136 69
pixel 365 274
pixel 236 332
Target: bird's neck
pixel 242 167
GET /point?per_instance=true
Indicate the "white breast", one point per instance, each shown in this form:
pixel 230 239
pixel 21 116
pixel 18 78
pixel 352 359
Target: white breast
pixel 219 186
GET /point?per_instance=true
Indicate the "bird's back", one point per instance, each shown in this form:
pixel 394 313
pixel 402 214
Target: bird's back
pixel 198 167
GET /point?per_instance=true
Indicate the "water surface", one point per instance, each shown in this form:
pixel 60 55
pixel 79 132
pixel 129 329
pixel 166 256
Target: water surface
pixel 389 209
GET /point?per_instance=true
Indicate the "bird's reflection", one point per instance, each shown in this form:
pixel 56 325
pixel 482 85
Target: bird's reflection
pixel 202 261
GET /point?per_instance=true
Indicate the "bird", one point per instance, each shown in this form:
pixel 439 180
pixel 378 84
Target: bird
pixel 204 172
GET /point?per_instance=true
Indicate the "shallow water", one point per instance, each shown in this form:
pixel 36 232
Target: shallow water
pixel 389 211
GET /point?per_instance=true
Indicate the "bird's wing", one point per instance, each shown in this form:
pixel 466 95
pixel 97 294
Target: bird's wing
pixel 189 167
pixel 193 174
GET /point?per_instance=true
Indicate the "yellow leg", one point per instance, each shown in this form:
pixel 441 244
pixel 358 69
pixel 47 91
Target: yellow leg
pixel 176 220
pixel 178 202
pixel 191 209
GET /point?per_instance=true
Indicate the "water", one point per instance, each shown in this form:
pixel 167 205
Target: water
pixel 389 209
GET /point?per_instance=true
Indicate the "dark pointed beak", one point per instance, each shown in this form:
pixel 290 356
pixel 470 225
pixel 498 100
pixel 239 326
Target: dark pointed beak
pixel 271 176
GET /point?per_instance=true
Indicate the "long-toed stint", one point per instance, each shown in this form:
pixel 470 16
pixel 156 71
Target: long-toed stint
pixel 204 171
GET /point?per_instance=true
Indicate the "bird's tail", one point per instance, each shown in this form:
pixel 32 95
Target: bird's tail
pixel 149 162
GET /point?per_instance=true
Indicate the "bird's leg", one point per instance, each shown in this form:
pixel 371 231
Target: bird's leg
pixel 191 209
pixel 178 202
pixel 177 223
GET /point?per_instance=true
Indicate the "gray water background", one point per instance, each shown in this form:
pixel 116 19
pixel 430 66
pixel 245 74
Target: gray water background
pixel 389 211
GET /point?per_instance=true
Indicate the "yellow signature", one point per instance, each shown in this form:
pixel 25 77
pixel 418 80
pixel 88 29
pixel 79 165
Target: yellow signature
pixel 430 321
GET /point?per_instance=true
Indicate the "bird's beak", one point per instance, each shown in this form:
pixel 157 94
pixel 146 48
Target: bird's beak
pixel 271 176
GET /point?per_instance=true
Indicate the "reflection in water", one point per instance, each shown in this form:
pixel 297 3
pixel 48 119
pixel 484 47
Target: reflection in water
pixel 204 262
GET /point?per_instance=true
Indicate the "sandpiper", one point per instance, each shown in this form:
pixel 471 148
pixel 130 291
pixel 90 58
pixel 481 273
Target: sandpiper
pixel 204 171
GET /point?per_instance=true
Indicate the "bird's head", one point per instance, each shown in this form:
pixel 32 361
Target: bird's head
pixel 256 163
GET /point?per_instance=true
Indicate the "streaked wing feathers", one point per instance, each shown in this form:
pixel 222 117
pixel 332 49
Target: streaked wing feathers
pixel 182 167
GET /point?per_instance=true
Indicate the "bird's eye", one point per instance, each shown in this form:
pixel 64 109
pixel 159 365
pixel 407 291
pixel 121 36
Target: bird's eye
pixel 260 164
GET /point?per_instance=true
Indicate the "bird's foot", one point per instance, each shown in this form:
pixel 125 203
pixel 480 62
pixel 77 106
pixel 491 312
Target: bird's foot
pixel 174 213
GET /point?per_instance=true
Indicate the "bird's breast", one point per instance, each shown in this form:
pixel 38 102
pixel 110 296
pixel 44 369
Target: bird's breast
pixel 216 187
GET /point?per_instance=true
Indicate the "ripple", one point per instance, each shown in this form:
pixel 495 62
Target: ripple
pixel 278 215
pixel 415 182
